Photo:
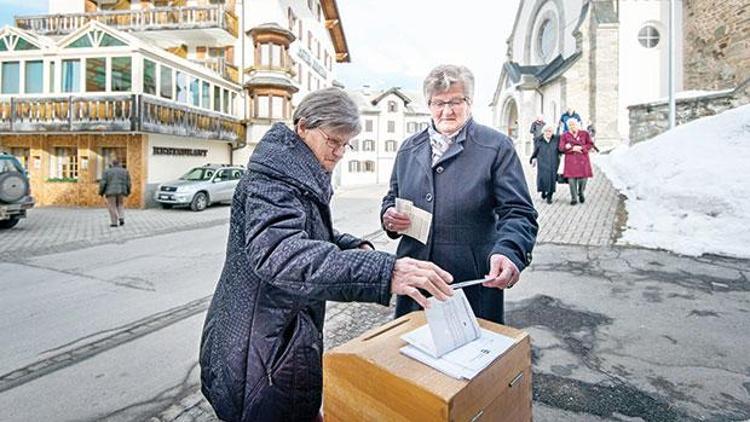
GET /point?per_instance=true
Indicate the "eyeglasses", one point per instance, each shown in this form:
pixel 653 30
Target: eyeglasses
pixel 439 105
pixel 335 144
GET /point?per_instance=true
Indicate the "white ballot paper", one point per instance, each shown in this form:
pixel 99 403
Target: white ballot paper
pixel 452 341
pixel 420 220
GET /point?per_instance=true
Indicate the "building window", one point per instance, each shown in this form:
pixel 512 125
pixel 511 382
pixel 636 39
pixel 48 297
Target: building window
pixel 121 77
pixel 369 166
pixel 181 87
pixel 354 166
pixel 648 36
pixel 165 86
pixel 392 107
pixel 390 146
pixel 64 164
pixel 355 144
pixel 71 75
pixel 368 145
pixel 23 156
pixel 34 77
pixel 368 125
pixel 51 76
pixel 225 109
pixel 217 98
pixel 300 31
pixel 309 40
pixel 96 74
pixel 262 106
pixel 149 77
pixel 546 39
pixel 391 126
pixel 232 103
pixel 195 92
pixel 11 77
pixel 109 154
pixel 411 127
pixel 206 95
pixel 277 107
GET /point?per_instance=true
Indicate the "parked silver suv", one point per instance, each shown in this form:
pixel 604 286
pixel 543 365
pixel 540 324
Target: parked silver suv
pixel 200 187
pixel 15 191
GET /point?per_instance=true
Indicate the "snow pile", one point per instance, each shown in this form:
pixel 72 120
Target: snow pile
pixel 688 189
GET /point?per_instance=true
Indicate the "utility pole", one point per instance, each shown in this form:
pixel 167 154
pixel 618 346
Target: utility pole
pixel 672 45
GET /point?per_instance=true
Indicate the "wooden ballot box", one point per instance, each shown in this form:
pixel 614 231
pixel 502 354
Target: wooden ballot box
pixel 368 379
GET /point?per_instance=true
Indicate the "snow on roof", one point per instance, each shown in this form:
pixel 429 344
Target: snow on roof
pixel 688 188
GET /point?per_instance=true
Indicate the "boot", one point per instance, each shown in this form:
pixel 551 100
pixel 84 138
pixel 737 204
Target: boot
pixel 573 202
pixel 581 199
pixel 549 198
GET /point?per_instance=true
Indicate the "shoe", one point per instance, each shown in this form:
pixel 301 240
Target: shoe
pixel 549 199
pixel 544 195
pixel 573 202
pixel 581 199
pixel 113 225
pixel 122 220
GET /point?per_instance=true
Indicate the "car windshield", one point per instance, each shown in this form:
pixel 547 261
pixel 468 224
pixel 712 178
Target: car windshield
pixel 9 164
pixel 198 173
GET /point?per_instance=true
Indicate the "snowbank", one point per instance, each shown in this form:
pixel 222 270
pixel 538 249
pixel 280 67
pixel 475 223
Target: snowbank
pixel 688 189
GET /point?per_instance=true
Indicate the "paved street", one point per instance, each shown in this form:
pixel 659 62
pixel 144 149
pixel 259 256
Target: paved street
pixel 108 320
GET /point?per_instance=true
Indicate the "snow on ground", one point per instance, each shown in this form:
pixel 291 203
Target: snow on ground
pixel 688 189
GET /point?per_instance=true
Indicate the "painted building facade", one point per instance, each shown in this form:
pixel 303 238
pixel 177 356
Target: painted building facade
pixel 388 118
pixel 160 85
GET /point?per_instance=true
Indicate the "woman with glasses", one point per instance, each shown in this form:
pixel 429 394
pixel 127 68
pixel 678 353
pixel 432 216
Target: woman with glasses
pixel 470 179
pixel 262 342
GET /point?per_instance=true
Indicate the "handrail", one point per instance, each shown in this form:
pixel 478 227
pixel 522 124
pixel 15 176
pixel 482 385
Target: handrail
pixel 157 18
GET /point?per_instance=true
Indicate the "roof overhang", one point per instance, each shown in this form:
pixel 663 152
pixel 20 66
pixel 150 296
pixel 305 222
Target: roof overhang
pixel 335 30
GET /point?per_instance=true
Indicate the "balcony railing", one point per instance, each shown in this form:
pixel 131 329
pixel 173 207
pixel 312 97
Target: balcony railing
pixel 220 66
pixel 116 113
pixel 155 19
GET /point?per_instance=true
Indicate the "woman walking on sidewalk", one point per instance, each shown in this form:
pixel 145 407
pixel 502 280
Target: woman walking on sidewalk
pixel 575 144
pixel 546 158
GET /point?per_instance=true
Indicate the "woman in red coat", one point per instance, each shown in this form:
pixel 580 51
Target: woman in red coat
pixel 575 144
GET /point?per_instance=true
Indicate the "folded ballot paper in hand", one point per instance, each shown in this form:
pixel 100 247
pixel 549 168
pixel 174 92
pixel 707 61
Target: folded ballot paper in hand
pixel 420 220
pixel 452 341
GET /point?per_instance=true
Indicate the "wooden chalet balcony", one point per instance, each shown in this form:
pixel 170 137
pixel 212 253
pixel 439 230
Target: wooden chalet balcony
pixel 116 113
pixel 158 19
pixel 220 66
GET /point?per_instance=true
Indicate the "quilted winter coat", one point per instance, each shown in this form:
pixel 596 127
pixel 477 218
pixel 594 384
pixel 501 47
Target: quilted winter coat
pixel 480 205
pixel 262 340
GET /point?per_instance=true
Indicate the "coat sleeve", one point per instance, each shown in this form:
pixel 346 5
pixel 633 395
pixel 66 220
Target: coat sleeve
pixel 346 241
pixel 389 200
pixel 282 253
pixel 587 143
pixel 536 149
pixel 561 145
pixel 516 224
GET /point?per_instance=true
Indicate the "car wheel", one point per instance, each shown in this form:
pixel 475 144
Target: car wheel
pixel 6 224
pixel 199 202
pixel 166 206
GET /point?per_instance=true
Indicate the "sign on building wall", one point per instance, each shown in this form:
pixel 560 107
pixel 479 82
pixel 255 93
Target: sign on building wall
pixel 180 151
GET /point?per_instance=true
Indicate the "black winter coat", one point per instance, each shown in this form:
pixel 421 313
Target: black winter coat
pixel 548 161
pixel 262 340
pixel 480 206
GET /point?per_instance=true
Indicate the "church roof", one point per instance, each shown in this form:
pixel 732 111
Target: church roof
pixel 542 73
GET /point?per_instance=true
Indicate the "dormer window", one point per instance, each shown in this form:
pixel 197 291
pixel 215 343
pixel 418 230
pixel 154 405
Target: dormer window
pixel 392 107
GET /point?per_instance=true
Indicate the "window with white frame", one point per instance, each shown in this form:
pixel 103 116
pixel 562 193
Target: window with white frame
pixel 277 107
pixel 390 146
pixel 195 92
pixel 217 98
pixel 181 87
pixel 368 125
pixel 33 77
pixel 369 166
pixel 354 166
pixel 149 77
pixel 11 77
pixel 64 163
pixel 392 107
pixel 96 74
pixel 206 95
pixel 71 75
pixel 368 145
pixel 411 127
pixel 165 85
pixel 391 126
pixel 121 74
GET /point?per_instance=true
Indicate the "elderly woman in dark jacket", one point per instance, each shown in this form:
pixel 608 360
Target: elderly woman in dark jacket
pixel 546 158
pixel 262 340
pixel 470 179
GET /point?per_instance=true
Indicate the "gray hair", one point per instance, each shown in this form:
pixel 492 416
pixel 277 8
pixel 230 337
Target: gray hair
pixel 441 78
pixel 548 126
pixel 573 119
pixel 331 108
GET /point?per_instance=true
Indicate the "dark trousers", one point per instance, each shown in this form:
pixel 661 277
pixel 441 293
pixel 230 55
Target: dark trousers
pixel 577 186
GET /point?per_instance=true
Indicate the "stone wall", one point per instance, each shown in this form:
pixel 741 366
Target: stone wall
pixel 716 43
pixel 650 119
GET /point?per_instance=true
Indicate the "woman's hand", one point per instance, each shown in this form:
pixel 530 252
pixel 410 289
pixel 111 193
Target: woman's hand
pixel 395 221
pixel 578 149
pixel 410 274
pixel 503 272
pixel 365 247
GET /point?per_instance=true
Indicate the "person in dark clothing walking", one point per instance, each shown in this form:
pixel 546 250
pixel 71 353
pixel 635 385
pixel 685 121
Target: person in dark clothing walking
pixel 592 134
pixel 262 344
pixel 562 126
pixel 546 158
pixel 115 186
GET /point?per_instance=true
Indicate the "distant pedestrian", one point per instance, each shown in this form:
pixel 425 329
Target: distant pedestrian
pixel 592 133
pixel 537 127
pixel 570 113
pixel 115 186
pixel 546 158
pixel 575 144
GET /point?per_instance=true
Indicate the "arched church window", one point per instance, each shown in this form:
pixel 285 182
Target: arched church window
pixel 546 38
pixel 648 36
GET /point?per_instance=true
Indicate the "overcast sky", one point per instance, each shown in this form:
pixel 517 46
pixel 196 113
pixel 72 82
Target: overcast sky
pixel 396 42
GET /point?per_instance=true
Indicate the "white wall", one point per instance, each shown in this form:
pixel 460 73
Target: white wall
pixel 162 168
